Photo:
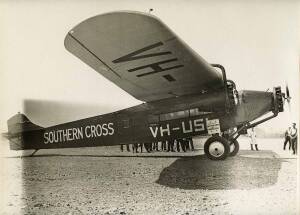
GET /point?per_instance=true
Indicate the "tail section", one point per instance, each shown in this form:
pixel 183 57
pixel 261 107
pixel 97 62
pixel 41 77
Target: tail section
pixel 18 126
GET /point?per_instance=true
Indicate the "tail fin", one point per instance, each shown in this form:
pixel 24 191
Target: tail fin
pixel 17 126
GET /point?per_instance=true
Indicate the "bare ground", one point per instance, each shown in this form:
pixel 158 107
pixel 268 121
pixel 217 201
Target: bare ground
pixel 106 181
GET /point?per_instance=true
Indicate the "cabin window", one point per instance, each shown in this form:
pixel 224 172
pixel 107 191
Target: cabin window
pixel 195 112
pixel 153 118
pixel 174 115
pixel 126 123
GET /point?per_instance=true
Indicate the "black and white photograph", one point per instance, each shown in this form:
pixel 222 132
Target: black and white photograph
pixel 149 107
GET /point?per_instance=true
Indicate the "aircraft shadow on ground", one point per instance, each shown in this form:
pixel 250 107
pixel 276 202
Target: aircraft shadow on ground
pixel 233 173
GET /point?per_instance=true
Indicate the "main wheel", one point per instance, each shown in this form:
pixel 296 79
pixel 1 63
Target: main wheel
pixel 234 148
pixel 216 148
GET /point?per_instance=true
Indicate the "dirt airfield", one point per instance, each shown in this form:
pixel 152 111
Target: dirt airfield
pixel 104 180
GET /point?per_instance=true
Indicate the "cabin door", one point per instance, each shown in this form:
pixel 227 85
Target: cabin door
pixel 125 130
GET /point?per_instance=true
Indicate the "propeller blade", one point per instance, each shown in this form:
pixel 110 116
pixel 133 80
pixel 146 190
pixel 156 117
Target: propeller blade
pixel 5 135
pixel 287 91
pixel 288 96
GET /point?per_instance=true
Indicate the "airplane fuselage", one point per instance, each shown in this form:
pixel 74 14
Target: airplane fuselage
pixel 167 119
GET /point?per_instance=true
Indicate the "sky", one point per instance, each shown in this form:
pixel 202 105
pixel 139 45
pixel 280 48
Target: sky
pixel 257 42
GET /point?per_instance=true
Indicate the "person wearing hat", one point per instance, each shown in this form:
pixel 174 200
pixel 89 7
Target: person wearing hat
pixel 294 138
pixel 252 135
pixel 287 138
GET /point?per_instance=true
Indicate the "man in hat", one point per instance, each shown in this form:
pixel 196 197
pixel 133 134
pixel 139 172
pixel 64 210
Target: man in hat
pixel 252 135
pixel 294 138
pixel 287 138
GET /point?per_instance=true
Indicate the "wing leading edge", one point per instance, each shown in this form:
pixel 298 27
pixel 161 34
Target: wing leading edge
pixel 141 55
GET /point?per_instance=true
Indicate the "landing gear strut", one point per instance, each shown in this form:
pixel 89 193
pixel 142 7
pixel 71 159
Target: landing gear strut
pixel 216 148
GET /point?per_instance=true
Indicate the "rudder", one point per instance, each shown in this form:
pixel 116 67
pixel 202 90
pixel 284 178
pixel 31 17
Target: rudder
pixel 17 126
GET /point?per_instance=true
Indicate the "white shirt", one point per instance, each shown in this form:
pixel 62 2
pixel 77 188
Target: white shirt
pixel 293 133
pixel 252 136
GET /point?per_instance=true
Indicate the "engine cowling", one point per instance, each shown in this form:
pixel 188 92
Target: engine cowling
pixel 278 98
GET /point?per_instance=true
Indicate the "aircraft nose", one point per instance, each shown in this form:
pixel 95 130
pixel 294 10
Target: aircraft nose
pixel 278 97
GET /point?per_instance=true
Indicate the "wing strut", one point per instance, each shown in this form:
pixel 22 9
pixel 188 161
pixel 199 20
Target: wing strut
pixel 227 103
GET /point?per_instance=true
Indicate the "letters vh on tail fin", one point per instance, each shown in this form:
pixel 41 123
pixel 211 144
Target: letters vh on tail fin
pixel 142 56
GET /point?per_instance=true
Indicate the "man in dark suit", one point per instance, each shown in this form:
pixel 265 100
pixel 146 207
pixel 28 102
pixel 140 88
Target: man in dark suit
pixel 294 137
pixel 287 138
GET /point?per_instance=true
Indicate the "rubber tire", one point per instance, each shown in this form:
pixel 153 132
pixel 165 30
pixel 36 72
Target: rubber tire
pixel 236 148
pixel 223 141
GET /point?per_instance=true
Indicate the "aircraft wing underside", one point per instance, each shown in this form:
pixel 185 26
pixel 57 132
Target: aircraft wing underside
pixel 141 55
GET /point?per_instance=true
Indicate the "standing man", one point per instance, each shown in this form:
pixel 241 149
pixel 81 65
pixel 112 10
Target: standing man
pixel 294 138
pixel 183 144
pixel 135 147
pixel 190 139
pixel 141 145
pixel 252 136
pixel 170 145
pixel 127 147
pixel 155 146
pixel 147 147
pixel 287 138
pixel 178 143
pixel 163 145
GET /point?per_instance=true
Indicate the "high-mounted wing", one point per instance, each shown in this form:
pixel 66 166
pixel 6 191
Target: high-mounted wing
pixel 141 55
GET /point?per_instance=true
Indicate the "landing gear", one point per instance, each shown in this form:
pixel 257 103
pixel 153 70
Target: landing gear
pixel 234 147
pixel 216 148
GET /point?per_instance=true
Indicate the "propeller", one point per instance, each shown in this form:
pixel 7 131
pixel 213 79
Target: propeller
pixel 5 135
pixel 287 96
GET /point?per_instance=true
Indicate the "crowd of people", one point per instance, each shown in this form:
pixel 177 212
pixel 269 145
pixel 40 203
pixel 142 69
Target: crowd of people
pixel 290 137
pixel 177 145
pixel 186 144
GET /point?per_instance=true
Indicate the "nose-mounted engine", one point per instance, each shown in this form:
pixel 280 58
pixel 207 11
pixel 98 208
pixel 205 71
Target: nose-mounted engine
pixel 232 93
pixel 278 100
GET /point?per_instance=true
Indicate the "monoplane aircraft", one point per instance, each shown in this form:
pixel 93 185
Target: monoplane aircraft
pixel 183 95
